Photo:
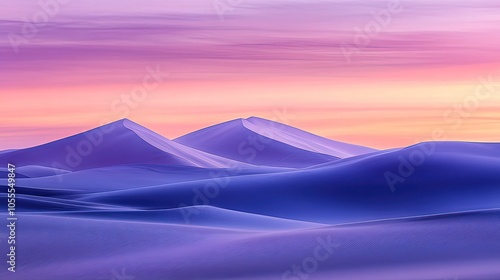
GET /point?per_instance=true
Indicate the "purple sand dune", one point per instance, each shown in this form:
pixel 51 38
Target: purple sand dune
pixel 455 246
pixel 233 140
pixel 303 139
pixel 118 143
pixel 119 213
pixel 205 216
pixel 455 177
pixel 35 171
pixel 263 142
pixel 50 202
pixel 130 176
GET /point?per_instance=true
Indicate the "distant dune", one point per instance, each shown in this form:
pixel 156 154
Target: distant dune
pixel 259 141
pixel 118 143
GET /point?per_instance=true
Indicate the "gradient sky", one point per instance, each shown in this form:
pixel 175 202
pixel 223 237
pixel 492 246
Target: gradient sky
pixel 414 73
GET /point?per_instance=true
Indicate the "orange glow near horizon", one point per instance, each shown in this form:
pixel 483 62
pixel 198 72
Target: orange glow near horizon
pixel 379 115
pixel 421 72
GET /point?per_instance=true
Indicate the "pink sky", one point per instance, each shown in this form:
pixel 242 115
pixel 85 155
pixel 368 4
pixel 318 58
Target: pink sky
pixel 262 58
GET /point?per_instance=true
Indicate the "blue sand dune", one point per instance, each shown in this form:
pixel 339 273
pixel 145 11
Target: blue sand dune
pixel 455 177
pixel 263 142
pixel 204 216
pixel 118 143
pixel 251 199
pixel 455 246
pixel 133 176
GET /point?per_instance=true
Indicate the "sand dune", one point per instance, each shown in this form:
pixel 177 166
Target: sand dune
pixel 303 207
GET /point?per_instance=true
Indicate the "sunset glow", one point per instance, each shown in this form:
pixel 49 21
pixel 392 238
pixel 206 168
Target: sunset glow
pixel 411 75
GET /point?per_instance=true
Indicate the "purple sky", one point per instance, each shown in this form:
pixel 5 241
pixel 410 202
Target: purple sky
pixel 250 59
